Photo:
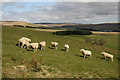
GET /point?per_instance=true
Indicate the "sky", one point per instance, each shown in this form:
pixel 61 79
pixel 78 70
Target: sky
pixel 60 12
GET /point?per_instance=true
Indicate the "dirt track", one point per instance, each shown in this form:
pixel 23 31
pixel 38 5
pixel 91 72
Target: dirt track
pixel 94 32
pixel 49 30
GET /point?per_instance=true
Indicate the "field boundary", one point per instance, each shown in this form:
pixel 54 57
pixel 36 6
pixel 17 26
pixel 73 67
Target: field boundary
pixel 95 32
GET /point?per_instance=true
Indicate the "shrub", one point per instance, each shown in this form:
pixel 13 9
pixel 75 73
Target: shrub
pixel 102 42
pixel 88 40
pixel 96 41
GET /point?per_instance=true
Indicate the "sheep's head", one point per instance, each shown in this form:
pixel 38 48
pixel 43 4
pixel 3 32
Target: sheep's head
pixel 52 42
pixel 57 44
pixel 102 52
pixel 81 49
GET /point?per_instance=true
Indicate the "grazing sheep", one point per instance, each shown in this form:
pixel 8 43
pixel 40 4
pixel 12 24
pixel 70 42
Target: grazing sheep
pixel 20 42
pixel 106 55
pixel 27 39
pixel 23 43
pixel 34 46
pixel 26 44
pixel 66 47
pixel 23 40
pixel 86 53
pixel 54 44
pixel 42 45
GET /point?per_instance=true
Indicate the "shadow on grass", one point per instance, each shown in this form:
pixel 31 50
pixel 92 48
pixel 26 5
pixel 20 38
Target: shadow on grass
pixel 51 47
pixel 63 50
pixel 118 59
pixel 17 44
pixel 30 50
pixel 80 56
pixel 102 58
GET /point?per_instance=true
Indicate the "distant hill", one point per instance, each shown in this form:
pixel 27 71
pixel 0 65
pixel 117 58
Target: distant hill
pixel 21 23
pixel 94 27
pixel 106 27
pixel 109 27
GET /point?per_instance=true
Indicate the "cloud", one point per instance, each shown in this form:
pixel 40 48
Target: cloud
pixel 10 0
pixel 60 0
pixel 82 12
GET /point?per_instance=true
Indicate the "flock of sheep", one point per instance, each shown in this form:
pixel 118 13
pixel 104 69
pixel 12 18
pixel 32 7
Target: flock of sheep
pixel 26 42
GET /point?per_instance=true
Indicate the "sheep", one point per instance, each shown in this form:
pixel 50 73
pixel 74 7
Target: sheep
pixel 54 44
pixel 23 40
pixel 27 39
pixel 42 45
pixel 86 53
pixel 66 47
pixel 20 42
pixel 34 46
pixel 26 44
pixel 107 55
pixel 23 43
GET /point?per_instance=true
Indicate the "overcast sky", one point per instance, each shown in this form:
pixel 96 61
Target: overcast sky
pixel 74 12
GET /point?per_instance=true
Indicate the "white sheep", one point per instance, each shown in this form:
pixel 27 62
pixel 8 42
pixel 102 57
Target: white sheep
pixel 66 47
pixel 106 55
pixel 34 46
pixel 23 43
pixel 23 40
pixel 27 39
pixel 26 44
pixel 42 45
pixel 20 42
pixel 86 53
pixel 54 44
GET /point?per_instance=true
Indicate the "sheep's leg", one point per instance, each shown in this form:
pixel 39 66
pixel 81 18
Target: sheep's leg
pixel 84 56
pixel 26 47
pixel 90 57
pixel 18 44
pixel 67 50
pixel 41 48
pixel 36 50
pixel 105 58
pixel 56 47
pixel 112 59
pixel 22 46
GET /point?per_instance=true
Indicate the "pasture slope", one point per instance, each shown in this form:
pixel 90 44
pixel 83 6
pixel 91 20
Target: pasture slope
pixel 53 63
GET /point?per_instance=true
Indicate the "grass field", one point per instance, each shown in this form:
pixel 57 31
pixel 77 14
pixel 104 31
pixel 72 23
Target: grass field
pixel 53 63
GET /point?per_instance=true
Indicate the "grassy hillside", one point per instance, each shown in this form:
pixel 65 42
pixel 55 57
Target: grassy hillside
pixel 22 23
pixel 53 63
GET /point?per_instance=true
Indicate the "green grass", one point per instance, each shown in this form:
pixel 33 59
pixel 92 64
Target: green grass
pixel 111 39
pixel 69 62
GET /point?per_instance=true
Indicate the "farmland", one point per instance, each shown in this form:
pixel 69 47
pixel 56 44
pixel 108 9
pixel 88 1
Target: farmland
pixel 53 63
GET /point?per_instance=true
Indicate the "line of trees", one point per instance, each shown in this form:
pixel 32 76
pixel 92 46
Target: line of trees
pixel 73 32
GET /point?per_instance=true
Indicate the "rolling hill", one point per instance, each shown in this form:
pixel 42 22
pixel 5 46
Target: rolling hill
pixel 92 27
pixel 105 27
pixel 22 23
pixel 51 63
